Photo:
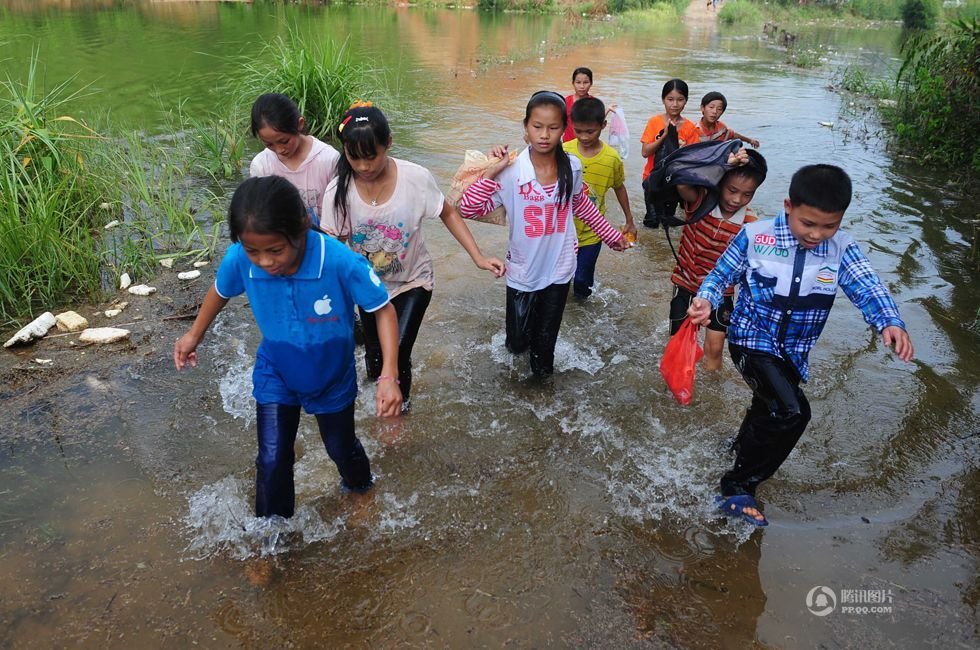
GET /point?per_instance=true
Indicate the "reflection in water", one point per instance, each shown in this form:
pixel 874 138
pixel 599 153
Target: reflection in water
pixel 696 588
pixel 572 513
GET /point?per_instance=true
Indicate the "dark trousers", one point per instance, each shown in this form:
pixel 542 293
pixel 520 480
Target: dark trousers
pixel 585 270
pixel 533 321
pixel 275 493
pixel 773 424
pixel 410 307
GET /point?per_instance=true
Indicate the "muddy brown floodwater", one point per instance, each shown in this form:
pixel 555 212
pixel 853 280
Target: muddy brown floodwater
pixel 507 512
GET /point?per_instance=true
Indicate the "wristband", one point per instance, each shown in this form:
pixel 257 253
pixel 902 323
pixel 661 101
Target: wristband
pixel 386 377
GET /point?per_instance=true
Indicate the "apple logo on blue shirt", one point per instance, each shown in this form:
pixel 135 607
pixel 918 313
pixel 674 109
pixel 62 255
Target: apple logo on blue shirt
pixel 322 306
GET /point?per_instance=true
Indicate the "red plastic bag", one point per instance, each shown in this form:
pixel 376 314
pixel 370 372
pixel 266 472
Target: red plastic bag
pixel 680 357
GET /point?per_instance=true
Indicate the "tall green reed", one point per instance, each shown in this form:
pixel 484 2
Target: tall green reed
pixel 49 197
pixel 317 73
pixel 61 181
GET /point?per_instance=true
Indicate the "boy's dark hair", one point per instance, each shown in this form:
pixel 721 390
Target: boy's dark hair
pixel 675 84
pixel 362 130
pixel 276 111
pixel 712 96
pixel 756 169
pixel 551 98
pixel 824 187
pixel 268 205
pixel 588 110
pixel 585 71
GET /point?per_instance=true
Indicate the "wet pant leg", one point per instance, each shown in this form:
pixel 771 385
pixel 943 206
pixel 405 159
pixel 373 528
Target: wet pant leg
pixel 773 424
pixel 533 321
pixel 410 308
pixel 275 493
pixel 549 309
pixel 343 447
pixel 585 270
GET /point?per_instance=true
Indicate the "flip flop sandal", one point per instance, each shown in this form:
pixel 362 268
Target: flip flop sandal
pixel 734 506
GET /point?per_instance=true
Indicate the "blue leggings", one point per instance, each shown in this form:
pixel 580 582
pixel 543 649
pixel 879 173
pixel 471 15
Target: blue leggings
pixel 275 493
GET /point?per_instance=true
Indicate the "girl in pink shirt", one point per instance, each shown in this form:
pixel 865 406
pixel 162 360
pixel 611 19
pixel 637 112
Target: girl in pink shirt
pixel 377 204
pixel 291 152
pixel 540 192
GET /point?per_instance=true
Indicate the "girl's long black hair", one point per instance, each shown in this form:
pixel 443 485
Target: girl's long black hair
pixel 362 130
pixel 565 180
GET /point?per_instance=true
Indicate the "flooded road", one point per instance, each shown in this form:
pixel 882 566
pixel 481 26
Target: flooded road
pixel 570 513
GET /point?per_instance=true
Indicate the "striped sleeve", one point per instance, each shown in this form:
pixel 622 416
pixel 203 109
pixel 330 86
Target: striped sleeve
pixel 587 211
pixel 478 199
pixel 727 271
pixel 864 288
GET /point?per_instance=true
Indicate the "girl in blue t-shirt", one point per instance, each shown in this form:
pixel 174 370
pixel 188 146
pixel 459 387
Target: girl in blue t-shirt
pixel 302 287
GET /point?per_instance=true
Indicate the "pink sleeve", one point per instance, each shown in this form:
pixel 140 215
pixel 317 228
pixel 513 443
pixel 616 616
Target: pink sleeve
pixel 585 210
pixel 477 200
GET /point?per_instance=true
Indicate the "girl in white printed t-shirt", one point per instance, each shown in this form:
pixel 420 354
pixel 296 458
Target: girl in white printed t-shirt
pixel 540 192
pixel 290 152
pixel 377 204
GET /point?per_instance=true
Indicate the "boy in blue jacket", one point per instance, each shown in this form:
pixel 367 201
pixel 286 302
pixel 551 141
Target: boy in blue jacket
pixel 788 270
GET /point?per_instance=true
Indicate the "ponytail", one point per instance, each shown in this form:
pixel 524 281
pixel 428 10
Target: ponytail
pixel 341 205
pixel 565 179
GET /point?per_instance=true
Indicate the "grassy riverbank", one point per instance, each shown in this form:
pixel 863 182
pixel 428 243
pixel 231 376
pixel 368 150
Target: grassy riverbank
pixel 854 13
pixel 83 203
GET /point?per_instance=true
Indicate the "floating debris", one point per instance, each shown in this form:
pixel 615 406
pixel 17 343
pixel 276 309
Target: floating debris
pixel 142 290
pixel 829 125
pixel 103 335
pixel 36 329
pixel 43 362
pixel 111 224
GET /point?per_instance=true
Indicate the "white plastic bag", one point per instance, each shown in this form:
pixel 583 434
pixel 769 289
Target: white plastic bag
pixel 619 135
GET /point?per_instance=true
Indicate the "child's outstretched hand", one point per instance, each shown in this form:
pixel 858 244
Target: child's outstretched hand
pixel 388 397
pixel 493 265
pixel 500 152
pixel 754 143
pixel 898 338
pixel 185 351
pixel 699 311
pixel 620 244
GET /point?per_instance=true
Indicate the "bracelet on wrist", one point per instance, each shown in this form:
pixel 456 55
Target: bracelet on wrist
pixel 378 381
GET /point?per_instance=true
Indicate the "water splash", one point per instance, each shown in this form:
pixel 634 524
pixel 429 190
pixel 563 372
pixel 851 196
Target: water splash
pixel 397 514
pixel 235 385
pixel 220 520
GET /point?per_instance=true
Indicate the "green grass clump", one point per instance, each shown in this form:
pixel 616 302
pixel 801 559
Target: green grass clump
pixel 316 73
pixel 50 197
pixel 920 14
pixel 61 182
pixel 736 12
pixel 939 91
